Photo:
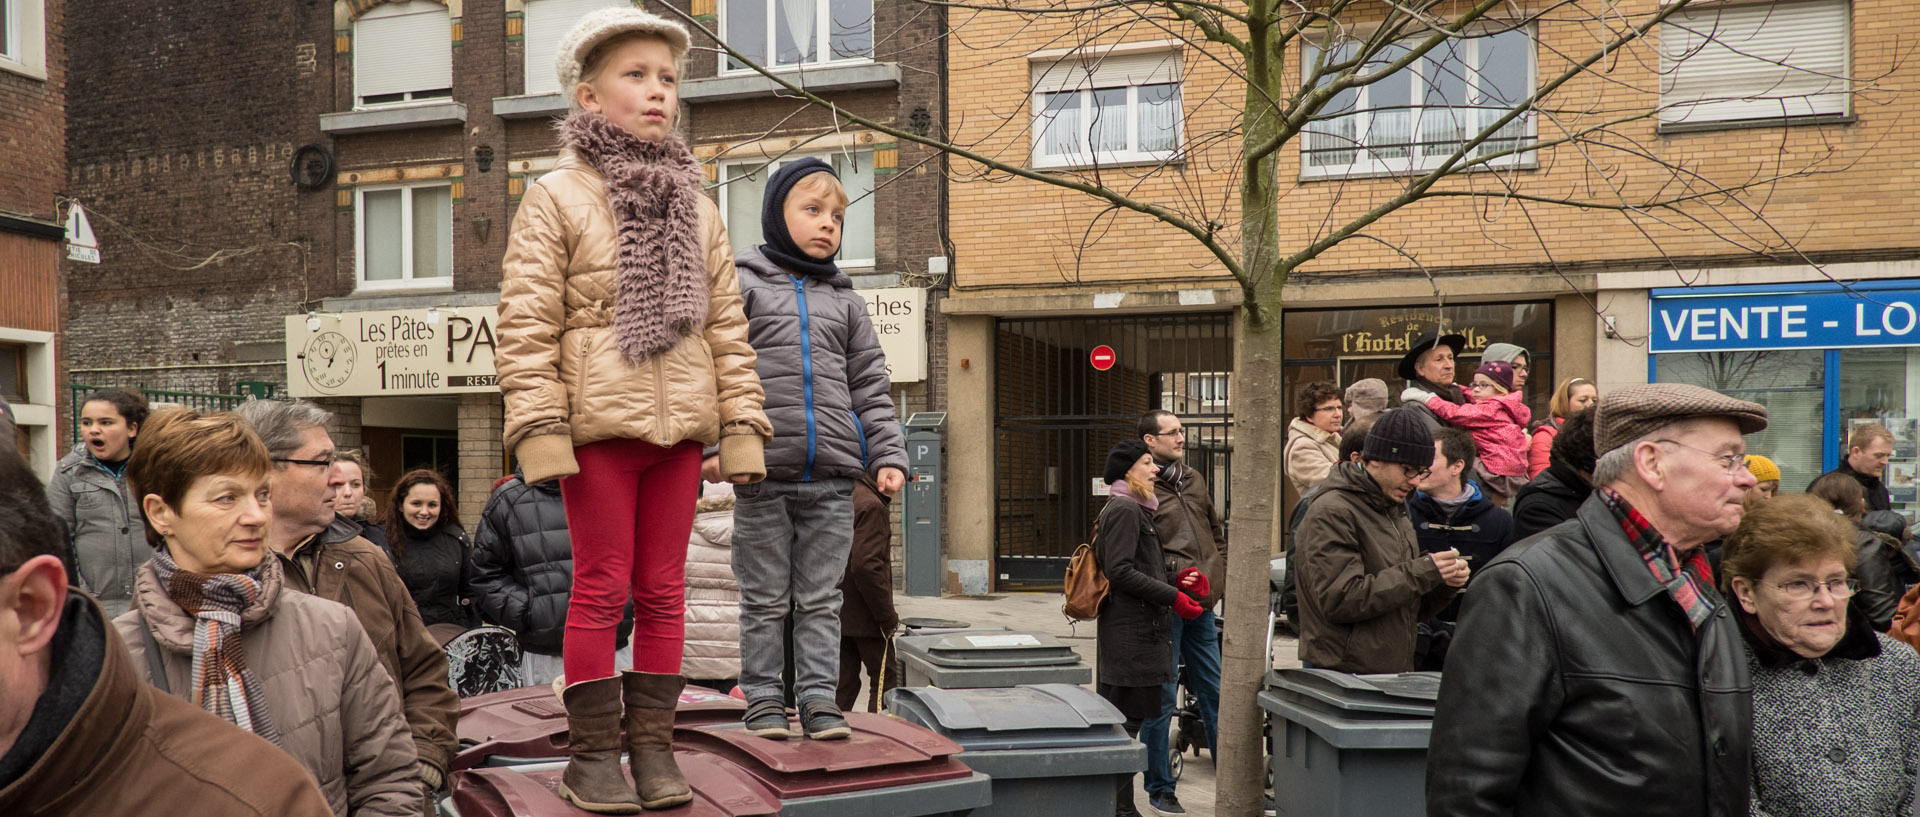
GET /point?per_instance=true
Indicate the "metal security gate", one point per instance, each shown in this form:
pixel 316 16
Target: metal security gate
pixel 1056 416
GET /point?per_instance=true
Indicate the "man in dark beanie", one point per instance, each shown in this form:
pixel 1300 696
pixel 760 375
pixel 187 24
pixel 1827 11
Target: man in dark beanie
pixel 1364 583
pixel 1596 669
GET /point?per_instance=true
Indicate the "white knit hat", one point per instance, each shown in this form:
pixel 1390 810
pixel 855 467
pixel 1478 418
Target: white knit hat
pixel 598 27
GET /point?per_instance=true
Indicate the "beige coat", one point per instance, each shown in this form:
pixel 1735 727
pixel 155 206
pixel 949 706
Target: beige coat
pixel 336 708
pixel 561 369
pixel 1311 454
pixel 712 649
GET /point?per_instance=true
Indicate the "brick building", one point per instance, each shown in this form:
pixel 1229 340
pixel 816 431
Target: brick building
pixel 33 161
pixel 314 198
pixel 1042 276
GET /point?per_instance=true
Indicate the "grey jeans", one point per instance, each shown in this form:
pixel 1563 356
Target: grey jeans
pixel 790 545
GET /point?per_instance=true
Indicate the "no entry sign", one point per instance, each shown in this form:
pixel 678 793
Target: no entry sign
pixel 1102 357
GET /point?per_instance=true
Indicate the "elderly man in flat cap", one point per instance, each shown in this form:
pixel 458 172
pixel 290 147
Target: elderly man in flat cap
pixel 1596 671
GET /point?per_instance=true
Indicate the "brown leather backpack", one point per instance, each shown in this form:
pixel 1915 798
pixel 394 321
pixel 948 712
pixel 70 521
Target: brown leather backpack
pixel 1086 583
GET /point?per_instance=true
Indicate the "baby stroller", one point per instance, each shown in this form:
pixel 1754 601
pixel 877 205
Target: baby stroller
pixel 1189 732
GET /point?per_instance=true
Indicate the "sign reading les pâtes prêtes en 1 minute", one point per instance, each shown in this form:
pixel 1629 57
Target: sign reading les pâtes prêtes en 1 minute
pixel 405 351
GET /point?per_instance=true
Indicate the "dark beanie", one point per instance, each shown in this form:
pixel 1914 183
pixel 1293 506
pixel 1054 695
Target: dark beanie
pixel 780 248
pixel 1121 458
pixel 1399 437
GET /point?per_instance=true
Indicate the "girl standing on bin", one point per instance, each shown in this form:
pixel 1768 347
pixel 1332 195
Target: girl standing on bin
pixel 1134 636
pixel 623 350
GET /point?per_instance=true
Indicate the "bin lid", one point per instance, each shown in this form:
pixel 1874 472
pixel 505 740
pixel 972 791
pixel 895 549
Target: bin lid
pixel 1407 693
pixel 530 723
pixel 933 624
pixel 720 789
pixel 881 752
pixel 1344 731
pixel 1038 716
pixel 998 647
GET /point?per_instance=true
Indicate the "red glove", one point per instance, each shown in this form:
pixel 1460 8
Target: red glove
pixel 1186 607
pixel 1198 589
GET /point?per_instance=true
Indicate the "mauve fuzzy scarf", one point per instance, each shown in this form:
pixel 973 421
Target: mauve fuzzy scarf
pixel 654 190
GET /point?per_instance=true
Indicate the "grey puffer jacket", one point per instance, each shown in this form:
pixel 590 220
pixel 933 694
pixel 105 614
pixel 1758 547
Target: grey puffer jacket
pixel 824 374
pixel 1834 736
pixel 105 536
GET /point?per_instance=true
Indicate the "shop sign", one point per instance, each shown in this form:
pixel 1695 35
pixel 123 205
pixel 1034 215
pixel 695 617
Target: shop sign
pixel 1786 320
pixel 900 320
pixel 405 351
pixel 1394 334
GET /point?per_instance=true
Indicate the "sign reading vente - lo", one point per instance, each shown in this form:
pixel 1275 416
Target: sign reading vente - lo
pixel 1801 317
pixel 406 351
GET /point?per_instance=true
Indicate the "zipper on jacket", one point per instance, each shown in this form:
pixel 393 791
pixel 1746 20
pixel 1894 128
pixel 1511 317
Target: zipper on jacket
pixel 806 375
pixel 660 392
pixel 861 432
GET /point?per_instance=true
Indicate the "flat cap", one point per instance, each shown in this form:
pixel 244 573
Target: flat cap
pixel 1627 414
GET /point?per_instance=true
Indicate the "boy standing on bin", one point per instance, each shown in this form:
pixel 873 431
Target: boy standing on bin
pixel 826 382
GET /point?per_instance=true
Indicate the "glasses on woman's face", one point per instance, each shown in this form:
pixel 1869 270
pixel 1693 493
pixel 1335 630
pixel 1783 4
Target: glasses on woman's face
pixel 1803 590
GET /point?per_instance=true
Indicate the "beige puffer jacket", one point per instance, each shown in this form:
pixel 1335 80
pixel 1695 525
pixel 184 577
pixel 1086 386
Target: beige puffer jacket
pixel 712 649
pixel 336 707
pixel 564 378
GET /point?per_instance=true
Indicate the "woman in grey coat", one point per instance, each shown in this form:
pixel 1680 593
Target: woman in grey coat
pixel 1836 723
pixel 105 543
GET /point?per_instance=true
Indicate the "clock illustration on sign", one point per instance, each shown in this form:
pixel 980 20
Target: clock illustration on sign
pixel 328 360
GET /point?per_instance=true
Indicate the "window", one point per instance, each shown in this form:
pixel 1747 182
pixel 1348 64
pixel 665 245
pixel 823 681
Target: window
pixel 1416 118
pixel 1722 63
pixel 13 372
pixel 548 21
pixel 10 29
pixel 789 33
pixel 402 52
pixel 1790 383
pixel 23 41
pixel 405 237
pixel 1106 109
pixel 741 196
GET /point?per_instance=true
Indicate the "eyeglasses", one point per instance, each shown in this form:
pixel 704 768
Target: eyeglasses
pixel 1334 407
pixel 326 463
pixel 1734 462
pixel 1804 590
pixel 1412 474
pixel 1178 432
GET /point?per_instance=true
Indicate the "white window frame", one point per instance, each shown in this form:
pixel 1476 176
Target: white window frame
pixel 1109 69
pixel 823 30
pixel 1367 161
pixel 1737 77
pixel 406 280
pixel 24 51
pixel 865 154
pixel 542 40
pixel 414 96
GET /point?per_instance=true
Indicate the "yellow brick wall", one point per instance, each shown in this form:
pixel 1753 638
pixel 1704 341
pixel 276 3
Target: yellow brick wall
pixel 1012 232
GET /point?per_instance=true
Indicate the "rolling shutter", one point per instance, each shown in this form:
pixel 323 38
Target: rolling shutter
pixel 1114 71
pixel 547 22
pixel 402 48
pixel 1761 61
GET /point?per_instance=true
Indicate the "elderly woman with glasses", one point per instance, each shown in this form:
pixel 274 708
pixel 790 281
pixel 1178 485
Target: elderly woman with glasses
pixel 1836 723
pixel 1313 438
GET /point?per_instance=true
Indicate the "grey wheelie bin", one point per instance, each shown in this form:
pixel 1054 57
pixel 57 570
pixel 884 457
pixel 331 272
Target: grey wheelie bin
pixel 1349 745
pixel 983 658
pixel 1050 749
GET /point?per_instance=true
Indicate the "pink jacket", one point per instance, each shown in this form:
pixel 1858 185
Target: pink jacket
pixel 1499 427
pixel 1540 451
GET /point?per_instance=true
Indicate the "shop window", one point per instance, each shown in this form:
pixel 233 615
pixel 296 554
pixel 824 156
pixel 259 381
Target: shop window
pixel 1347 345
pixel 547 22
pixel 1727 63
pixel 1790 383
pixel 1111 109
pixel 10 29
pixel 402 52
pixel 1881 386
pixel 405 236
pixel 796 33
pixel 1416 118
pixel 746 187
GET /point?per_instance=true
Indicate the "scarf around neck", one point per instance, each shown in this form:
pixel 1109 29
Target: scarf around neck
pixel 222 682
pixel 1151 501
pixel 653 189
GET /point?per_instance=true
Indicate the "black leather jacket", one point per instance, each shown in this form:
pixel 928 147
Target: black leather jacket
pixel 1575 686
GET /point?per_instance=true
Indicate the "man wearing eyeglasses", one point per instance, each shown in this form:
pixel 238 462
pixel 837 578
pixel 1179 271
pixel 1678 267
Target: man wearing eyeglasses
pixel 1364 583
pixel 1596 670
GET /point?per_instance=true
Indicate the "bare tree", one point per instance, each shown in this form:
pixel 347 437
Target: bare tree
pixel 1573 134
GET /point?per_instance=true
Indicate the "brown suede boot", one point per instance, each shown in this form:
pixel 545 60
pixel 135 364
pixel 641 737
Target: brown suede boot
pixel 593 779
pixel 650 703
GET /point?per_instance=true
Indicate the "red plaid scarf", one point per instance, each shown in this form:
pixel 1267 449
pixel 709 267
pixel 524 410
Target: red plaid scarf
pixel 1690 584
pixel 222 683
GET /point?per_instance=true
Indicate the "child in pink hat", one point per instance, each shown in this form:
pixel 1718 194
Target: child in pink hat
pixel 1498 420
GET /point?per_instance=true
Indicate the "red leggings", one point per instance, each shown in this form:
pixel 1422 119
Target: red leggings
pixel 629 512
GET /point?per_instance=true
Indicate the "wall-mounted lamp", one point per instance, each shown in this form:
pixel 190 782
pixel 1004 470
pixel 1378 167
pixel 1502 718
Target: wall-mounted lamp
pixel 313 321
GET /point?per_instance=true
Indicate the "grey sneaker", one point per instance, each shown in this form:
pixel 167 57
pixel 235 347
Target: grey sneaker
pixel 822 720
pixel 768 719
pixel 1165 803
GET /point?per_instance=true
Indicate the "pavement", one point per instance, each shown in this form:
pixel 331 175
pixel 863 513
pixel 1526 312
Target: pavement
pixel 1040 613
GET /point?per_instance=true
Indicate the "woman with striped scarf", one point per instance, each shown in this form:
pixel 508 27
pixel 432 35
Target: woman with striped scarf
pixel 213 623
